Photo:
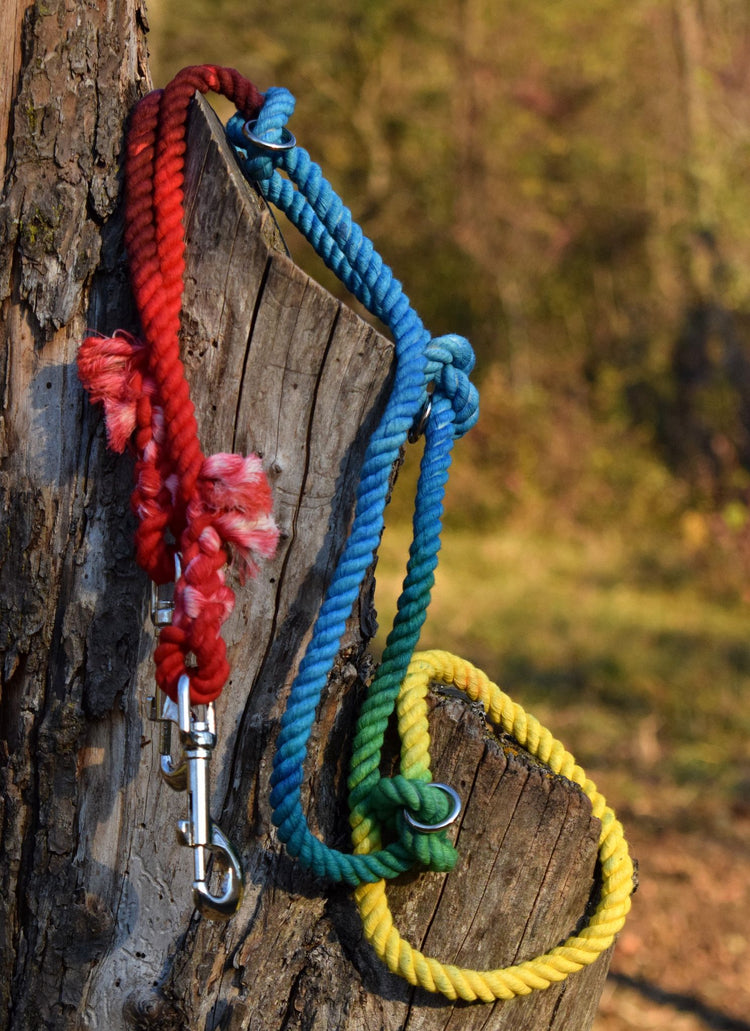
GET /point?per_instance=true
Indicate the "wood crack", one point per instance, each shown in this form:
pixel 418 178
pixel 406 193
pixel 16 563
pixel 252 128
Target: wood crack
pixel 251 333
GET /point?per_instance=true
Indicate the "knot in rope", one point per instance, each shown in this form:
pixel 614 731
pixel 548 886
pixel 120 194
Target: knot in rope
pixel 450 359
pixel 278 106
pixel 114 370
pixel 230 514
pixel 387 802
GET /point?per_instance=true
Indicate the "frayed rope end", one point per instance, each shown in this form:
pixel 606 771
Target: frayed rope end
pixel 234 490
pixel 112 371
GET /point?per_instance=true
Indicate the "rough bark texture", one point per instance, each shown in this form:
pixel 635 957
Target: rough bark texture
pixel 96 926
pixel 70 77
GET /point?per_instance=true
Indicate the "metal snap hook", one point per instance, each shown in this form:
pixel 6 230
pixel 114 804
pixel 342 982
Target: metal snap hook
pixel 165 712
pixel 190 773
pixel 199 832
pixel 287 141
pixel 162 598
pixel 430 828
pixel 224 905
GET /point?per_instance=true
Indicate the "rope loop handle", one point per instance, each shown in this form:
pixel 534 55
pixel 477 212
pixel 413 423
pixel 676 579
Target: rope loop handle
pixel 616 867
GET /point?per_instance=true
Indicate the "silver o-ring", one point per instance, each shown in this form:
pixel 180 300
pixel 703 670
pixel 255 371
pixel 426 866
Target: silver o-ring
pixel 430 828
pixel 287 141
pixel 420 422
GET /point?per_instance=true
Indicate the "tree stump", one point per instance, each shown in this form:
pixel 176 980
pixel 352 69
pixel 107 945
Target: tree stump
pixel 97 928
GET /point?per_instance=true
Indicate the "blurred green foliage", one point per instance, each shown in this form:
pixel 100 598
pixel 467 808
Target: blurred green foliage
pixel 645 680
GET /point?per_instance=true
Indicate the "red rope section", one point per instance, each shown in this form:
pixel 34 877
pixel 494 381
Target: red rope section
pixel 200 507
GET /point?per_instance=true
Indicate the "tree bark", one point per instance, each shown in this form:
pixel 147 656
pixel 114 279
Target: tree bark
pixel 69 79
pixel 97 927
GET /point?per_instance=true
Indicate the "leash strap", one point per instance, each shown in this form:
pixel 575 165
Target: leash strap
pixel 194 510
pixel 426 370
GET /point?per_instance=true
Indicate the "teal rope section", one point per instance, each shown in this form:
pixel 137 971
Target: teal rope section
pixel 421 364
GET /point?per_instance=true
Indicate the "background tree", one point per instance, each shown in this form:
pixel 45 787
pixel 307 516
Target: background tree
pixel 575 176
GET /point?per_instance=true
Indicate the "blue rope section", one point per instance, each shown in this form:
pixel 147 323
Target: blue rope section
pixel 312 205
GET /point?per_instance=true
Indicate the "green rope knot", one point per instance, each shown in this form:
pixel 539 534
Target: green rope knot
pixel 391 797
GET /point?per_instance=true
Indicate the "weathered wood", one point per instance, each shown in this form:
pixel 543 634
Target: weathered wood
pixel 70 82
pixel 97 929
pixel 279 367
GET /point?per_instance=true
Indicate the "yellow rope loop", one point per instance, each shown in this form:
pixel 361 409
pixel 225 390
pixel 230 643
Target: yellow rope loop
pixel 577 951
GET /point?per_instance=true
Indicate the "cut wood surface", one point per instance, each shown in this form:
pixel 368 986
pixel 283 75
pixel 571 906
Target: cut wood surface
pixel 98 929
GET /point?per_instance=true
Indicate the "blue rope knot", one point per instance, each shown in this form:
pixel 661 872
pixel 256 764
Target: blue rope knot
pixel 278 106
pixel 450 359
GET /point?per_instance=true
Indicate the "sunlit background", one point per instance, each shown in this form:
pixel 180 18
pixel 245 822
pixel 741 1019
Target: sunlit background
pixel 566 183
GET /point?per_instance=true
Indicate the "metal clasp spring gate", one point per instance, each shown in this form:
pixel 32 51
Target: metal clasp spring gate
pixel 190 773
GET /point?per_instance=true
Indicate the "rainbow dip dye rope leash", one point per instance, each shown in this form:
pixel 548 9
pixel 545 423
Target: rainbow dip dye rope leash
pixel 397 822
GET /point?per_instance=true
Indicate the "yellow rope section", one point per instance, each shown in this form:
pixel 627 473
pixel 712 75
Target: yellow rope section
pixel 617 869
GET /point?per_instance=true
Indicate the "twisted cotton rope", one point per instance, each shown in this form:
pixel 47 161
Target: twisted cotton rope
pixel 310 203
pixel 209 504
pixel 579 949
pixel 188 504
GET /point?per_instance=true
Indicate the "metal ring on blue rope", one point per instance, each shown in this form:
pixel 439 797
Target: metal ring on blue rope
pixel 420 423
pixel 287 141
